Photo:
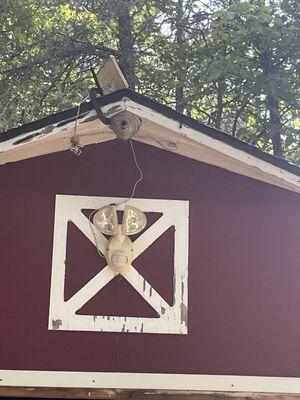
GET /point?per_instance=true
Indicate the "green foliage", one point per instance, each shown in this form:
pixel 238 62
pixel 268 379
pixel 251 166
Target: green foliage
pixel 231 64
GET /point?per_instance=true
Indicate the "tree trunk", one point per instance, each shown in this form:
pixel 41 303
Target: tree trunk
pixel 127 57
pixel 275 125
pixel 243 104
pixel 220 105
pixel 179 90
pixel 272 101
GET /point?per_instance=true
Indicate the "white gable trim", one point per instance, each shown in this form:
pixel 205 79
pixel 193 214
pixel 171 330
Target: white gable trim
pixel 157 130
pixel 161 131
pixel 119 380
pixel 89 130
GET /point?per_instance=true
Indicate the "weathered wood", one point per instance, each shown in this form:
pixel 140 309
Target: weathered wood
pixel 69 393
pixel 73 393
pixel 110 76
pixel 193 395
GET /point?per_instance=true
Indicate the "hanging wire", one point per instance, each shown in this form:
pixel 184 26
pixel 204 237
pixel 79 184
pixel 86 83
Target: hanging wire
pixel 76 148
pixel 140 178
pixel 138 168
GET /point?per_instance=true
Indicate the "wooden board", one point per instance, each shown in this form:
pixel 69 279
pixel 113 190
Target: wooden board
pixel 110 76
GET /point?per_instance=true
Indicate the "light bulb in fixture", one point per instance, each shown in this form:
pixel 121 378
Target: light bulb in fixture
pixel 106 220
pixel 134 220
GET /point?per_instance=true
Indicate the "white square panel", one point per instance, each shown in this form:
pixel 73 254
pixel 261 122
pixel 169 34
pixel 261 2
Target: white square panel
pixel 172 318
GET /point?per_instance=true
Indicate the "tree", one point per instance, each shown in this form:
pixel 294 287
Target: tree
pixel 229 63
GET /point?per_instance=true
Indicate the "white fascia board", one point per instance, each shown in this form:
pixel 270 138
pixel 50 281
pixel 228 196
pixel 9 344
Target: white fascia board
pixel 119 380
pixel 189 143
pixel 191 136
pixel 9 144
pixel 109 110
pixel 45 141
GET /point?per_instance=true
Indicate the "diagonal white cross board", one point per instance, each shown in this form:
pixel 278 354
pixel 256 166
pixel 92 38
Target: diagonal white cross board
pixel 132 276
pixel 172 319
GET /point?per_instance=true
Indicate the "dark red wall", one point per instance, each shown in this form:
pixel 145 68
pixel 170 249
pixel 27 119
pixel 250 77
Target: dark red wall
pixel 244 268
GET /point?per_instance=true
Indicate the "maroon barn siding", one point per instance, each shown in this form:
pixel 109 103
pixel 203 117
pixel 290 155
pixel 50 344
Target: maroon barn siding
pixel 244 268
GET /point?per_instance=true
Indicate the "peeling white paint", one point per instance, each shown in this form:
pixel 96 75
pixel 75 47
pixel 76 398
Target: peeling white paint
pixel 38 134
pixel 172 318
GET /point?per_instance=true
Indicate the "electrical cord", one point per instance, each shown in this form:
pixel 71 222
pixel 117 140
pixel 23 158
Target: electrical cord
pixel 75 146
pixel 140 178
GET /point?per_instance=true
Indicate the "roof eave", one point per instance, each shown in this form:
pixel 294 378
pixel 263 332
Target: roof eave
pixel 161 127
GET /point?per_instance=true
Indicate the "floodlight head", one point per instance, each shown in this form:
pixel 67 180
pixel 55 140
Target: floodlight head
pixel 134 220
pixel 119 253
pixel 106 220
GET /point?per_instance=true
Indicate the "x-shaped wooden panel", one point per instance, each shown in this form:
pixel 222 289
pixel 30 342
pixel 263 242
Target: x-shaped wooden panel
pixel 172 318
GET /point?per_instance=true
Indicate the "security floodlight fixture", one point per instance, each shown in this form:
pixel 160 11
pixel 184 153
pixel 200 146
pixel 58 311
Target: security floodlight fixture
pixel 119 253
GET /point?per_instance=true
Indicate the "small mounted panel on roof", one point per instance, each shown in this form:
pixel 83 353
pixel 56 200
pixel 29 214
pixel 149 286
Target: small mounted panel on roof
pixel 110 76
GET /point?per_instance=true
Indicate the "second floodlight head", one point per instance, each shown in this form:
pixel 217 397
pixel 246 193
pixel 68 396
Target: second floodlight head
pixel 119 253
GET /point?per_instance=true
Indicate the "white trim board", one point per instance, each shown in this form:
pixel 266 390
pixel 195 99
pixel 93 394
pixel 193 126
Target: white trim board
pixel 90 130
pixel 118 380
pixel 172 318
pixel 163 132
pixel 87 123
pixel 159 131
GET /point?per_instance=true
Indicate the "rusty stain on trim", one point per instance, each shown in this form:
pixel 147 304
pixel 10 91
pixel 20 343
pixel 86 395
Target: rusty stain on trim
pixel 56 323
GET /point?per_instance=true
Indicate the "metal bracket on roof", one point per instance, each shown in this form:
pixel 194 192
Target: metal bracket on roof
pixel 124 124
pixel 93 95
